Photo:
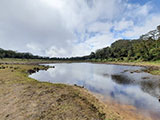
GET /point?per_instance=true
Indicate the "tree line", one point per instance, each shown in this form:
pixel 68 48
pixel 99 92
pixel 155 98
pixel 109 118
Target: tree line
pixel 14 54
pixel 129 50
pixel 20 55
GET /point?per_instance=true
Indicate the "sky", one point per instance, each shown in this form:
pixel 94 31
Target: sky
pixel 65 28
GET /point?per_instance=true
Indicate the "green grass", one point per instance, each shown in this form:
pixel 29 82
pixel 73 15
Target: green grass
pixel 17 60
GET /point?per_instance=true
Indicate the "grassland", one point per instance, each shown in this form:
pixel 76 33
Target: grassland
pixel 24 61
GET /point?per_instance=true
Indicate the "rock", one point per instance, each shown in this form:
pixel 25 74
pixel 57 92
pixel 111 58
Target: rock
pixel 7 115
pixel 2 67
pixel 16 68
pixel 78 86
pixel 126 70
pixel 31 71
pixel 82 86
pixel 145 78
pixel 36 69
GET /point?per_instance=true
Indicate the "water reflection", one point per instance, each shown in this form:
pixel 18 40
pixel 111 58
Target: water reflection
pixel 122 79
pixel 153 88
pixel 114 81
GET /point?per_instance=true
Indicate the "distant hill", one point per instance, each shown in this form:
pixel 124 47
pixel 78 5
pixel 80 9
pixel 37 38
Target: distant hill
pixel 14 54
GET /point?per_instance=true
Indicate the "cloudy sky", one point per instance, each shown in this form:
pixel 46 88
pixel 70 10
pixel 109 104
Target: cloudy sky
pixel 73 27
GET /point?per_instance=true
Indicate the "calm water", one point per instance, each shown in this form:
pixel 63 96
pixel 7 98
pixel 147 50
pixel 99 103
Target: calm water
pixel 125 84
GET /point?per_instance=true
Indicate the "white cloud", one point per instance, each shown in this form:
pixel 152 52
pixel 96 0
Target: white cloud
pixel 47 27
pixel 100 27
pixel 93 44
pixel 33 46
pixel 148 25
pixel 54 51
pixel 123 24
pixel 143 10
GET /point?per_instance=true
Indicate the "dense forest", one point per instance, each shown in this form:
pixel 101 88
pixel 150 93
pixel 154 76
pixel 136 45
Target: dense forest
pixel 129 50
pixel 146 48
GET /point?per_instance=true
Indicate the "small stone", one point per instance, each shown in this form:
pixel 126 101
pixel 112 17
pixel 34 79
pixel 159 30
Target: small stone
pixel 7 115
